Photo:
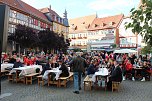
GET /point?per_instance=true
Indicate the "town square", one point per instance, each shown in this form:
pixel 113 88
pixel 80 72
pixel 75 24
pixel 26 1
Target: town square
pixel 76 50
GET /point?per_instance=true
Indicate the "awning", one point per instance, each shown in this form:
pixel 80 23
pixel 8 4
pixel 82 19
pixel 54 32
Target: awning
pixel 125 51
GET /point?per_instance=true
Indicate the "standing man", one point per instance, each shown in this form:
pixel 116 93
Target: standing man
pixel 78 65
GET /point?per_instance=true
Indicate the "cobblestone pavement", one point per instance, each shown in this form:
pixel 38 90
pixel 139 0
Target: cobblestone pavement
pixel 129 91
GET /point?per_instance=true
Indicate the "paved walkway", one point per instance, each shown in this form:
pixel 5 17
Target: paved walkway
pixel 129 91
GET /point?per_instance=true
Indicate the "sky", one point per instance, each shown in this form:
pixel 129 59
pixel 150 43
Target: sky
pixel 79 8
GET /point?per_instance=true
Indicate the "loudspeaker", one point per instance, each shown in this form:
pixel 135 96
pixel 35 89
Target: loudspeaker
pixel 4 18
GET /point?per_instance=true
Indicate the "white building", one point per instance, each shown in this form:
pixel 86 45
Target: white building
pixel 128 39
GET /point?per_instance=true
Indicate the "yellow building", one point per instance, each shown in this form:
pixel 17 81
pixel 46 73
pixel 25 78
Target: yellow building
pixel 60 25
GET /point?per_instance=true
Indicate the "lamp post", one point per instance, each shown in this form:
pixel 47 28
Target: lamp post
pixel 3 29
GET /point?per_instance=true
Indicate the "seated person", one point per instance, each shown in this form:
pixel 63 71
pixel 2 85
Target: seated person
pixel 116 75
pixel 37 62
pixel 25 59
pixel 92 67
pixel 17 64
pixel 111 67
pixel 30 62
pixel 144 71
pixel 47 66
pixel 128 69
pixel 55 64
pixel 64 68
pixel 13 59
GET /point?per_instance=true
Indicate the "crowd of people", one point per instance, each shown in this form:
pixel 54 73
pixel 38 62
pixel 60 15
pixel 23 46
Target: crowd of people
pixel 118 65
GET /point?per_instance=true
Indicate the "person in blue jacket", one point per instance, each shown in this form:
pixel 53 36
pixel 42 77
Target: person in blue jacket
pixel 92 67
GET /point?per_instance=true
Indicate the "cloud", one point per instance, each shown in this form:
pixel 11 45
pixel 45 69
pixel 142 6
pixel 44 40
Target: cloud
pixel 110 4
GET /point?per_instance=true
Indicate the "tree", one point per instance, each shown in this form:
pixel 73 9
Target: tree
pixel 47 39
pixel 25 36
pixel 146 50
pixel 62 44
pixel 50 40
pixel 142 21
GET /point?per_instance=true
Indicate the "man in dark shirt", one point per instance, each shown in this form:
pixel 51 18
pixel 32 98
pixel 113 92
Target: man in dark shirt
pixel 115 76
pixel 47 66
pixel 17 64
pixel 78 65
pixel 13 59
pixel 132 59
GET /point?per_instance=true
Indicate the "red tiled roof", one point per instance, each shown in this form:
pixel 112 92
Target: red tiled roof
pixel 106 22
pixel 46 10
pixel 18 4
pixel 80 24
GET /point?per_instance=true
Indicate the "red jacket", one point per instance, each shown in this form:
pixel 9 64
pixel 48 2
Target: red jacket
pixel 128 66
pixel 30 62
pixel 25 60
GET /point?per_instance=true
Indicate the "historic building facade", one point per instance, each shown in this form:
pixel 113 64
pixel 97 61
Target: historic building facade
pixel 78 31
pixel 103 33
pixel 22 13
pixel 60 25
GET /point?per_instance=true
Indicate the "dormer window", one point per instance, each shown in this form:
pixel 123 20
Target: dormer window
pixel 103 24
pixel 60 20
pixel 88 25
pixel 83 23
pixel 95 25
pixel 53 17
pixel 76 28
pixel 111 23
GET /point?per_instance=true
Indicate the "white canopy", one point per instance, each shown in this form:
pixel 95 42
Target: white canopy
pixel 125 51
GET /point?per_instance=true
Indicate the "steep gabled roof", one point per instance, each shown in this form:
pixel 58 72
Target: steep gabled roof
pixel 18 4
pixel 82 23
pixel 106 22
pixel 47 10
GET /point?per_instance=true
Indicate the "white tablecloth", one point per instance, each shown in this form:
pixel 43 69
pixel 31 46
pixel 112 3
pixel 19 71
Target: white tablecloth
pixel 101 72
pixel 54 70
pixel 27 69
pixel 3 66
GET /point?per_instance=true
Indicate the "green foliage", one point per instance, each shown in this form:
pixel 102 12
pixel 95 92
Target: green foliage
pixel 77 50
pixel 25 36
pixel 114 45
pixel 146 50
pixel 142 21
pixel 45 39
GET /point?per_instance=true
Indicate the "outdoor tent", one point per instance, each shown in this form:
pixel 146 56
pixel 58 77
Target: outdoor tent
pixel 125 51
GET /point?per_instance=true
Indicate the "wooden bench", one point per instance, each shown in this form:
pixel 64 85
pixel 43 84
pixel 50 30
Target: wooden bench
pixel 115 86
pixel 15 77
pixel 10 77
pixel 149 75
pixel 53 82
pixel 87 81
pixel 30 77
pixel 63 80
pixel 4 73
pixel 40 80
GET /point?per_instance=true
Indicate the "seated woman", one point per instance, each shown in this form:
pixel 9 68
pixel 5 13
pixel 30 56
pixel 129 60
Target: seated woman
pixel 92 67
pixel 144 71
pixel 128 69
pixel 64 68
